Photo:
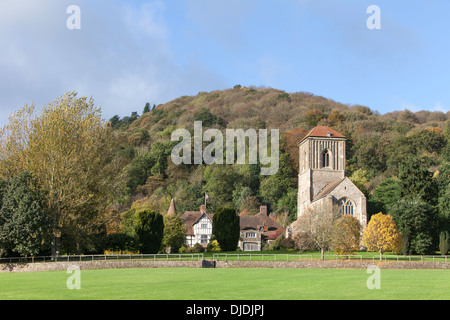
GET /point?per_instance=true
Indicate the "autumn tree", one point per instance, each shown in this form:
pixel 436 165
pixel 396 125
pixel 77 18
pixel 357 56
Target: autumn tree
pixel 382 235
pixel 317 224
pixel 70 151
pixel 346 235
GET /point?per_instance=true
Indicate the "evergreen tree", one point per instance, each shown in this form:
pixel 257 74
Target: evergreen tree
pixel 417 219
pixel 147 108
pixel 149 231
pixel 24 225
pixel 226 228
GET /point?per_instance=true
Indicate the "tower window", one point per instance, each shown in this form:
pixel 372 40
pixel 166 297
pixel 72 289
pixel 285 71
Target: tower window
pixel 325 159
pixel 346 206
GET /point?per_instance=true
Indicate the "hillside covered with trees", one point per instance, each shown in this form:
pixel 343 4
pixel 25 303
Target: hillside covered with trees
pixel 400 160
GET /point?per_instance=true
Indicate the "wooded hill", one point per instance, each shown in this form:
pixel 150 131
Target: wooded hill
pixel 401 155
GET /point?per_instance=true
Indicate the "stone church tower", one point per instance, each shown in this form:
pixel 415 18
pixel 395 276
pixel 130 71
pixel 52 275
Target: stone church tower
pixel 322 175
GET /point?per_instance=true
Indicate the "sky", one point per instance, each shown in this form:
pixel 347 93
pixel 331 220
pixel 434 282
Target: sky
pixel 127 53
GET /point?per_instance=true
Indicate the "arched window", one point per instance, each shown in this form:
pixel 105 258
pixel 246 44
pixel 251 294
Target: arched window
pixel 346 206
pixel 325 158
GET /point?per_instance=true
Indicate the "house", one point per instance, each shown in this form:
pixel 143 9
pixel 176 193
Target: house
pixel 198 227
pixel 257 230
pixel 322 176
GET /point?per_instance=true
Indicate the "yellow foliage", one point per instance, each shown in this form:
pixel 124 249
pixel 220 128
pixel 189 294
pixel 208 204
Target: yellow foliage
pixel 382 234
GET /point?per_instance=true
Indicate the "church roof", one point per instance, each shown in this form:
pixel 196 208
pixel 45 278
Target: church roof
pixel 323 132
pixel 328 189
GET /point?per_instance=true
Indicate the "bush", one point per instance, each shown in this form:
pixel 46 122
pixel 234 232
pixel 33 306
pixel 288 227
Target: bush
pixel 120 243
pixel 213 246
pixel 198 248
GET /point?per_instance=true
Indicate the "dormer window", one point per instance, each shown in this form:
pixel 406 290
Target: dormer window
pixel 328 135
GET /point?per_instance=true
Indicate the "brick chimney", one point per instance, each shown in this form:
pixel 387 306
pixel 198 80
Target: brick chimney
pixel 203 209
pixel 263 210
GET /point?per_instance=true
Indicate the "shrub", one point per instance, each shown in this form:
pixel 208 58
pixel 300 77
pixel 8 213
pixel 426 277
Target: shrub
pixel 198 248
pixel 213 246
pixel 120 243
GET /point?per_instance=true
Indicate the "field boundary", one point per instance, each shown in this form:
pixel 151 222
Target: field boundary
pixel 311 264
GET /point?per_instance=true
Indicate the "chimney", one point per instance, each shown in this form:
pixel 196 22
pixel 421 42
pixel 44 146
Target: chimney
pixel 263 210
pixel 203 209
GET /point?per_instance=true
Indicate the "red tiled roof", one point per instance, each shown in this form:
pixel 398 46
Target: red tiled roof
pixel 322 132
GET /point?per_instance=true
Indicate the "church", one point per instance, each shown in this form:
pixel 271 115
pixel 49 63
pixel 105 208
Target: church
pixel 322 176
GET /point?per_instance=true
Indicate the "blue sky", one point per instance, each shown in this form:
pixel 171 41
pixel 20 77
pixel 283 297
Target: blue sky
pixel 128 53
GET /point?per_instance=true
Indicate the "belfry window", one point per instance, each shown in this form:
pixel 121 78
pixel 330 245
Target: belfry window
pixel 325 158
pixel 346 206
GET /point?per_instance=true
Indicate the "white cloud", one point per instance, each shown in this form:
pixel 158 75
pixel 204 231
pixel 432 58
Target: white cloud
pixel 121 56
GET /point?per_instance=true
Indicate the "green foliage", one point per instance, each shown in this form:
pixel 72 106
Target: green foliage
pixel 390 156
pixel 444 242
pixel 125 122
pixel 312 117
pixel 429 140
pixel 220 184
pixel 370 155
pixel 416 180
pixel 284 97
pixel 149 231
pixel 208 119
pixel 120 243
pixel 274 187
pixel 24 225
pixel 417 219
pixel 226 228
pixel 174 233
pixel 213 246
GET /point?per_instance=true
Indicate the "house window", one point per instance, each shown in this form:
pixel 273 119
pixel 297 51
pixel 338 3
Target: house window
pixel 325 158
pixel 346 206
pixel 250 235
pixel 204 239
pixel 204 226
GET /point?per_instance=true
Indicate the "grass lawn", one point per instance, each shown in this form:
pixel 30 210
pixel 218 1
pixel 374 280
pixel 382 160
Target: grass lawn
pixel 227 284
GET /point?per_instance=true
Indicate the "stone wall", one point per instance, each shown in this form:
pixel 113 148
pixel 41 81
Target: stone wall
pixel 316 264
pixel 92 265
pixel 338 264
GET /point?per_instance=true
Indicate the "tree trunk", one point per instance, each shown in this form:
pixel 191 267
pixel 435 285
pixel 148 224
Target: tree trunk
pixel 322 255
pixel 56 246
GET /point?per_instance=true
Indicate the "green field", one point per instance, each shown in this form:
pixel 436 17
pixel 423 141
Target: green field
pixel 227 284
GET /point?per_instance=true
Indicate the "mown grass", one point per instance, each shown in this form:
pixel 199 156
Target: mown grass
pixel 226 284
